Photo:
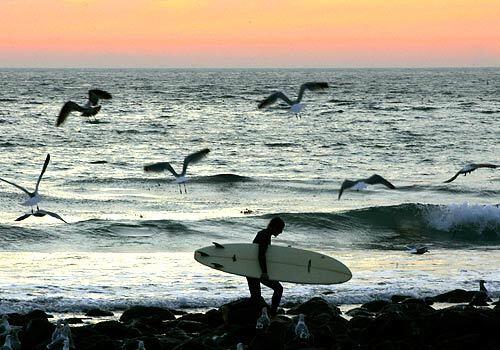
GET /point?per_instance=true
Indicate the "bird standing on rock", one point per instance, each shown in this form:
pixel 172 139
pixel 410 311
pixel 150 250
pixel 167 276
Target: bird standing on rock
pixel 263 321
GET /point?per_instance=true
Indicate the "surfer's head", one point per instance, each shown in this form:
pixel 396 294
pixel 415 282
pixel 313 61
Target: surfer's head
pixel 276 226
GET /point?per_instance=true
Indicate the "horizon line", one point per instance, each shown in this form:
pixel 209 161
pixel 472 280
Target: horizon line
pixel 256 68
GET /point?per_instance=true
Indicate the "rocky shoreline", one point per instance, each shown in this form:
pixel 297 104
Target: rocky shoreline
pixel 400 323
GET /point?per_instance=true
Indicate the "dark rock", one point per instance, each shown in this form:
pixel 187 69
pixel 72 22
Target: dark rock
pixel 375 305
pixel 212 317
pixel 409 308
pixel 188 326
pixel 327 329
pixel 116 330
pixel 73 320
pixel 38 331
pixel 273 339
pixel 242 311
pixel 97 342
pixel 361 312
pixel 150 343
pixel 455 296
pixel 480 299
pixel 315 306
pixel 146 312
pixel 399 298
pixel 168 343
pixel 98 313
pixel 194 344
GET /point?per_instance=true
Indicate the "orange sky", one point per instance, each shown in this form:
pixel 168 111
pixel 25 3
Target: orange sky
pixel 246 33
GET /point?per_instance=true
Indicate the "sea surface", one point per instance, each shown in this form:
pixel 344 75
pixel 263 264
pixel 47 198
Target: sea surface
pixel 131 235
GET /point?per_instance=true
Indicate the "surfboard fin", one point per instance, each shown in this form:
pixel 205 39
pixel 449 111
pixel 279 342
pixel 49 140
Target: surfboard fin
pixel 202 253
pixel 217 266
pixel 218 245
pixel 234 257
pixel 309 266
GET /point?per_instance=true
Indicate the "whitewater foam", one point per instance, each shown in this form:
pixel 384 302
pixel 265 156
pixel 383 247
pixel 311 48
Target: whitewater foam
pixel 452 216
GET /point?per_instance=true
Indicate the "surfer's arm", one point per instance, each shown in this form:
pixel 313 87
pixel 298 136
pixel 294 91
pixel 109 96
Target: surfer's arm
pixel 262 257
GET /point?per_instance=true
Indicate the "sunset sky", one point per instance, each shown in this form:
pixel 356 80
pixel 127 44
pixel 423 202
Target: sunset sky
pixel 232 33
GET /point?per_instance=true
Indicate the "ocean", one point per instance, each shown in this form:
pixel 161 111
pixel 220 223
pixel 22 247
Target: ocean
pixel 131 235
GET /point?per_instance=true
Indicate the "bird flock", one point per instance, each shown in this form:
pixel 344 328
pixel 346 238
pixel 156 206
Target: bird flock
pixel 92 107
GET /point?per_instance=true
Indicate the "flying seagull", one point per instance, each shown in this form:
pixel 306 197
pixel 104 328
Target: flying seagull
pixel 89 109
pixel 40 213
pixel 179 178
pixel 469 168
pixel 34 197
pixel 295 105
pixel 363 183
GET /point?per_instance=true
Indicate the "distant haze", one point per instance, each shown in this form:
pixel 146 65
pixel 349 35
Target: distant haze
pixel 228 33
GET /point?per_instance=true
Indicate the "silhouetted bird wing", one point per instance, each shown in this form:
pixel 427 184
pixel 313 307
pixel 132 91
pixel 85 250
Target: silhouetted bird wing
pixel 68 107
pixel 273 98
pixel 345 185
pixel 22 217
pixel 312 86
pixel 96 94
pixel 453 178
pixel 194 158
pixel 47 160
pixel 16 185
pixel 159 167
pixel 54 215
pixel 486 165
pixel 377 179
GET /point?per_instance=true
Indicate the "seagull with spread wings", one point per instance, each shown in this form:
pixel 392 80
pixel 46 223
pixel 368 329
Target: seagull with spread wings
pixel 469 168
pixel 179 178
pixel 89 109
pixel 33 197
pixel 40 213
pixel 295 105
pixel 363 183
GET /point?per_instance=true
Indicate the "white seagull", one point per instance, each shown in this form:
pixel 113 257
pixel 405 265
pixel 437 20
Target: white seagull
pixel 89 109
pixel 34 197
pixel 301 330
pixel 40 213
pixel 469 168
pixel 263 321
pixel 179 178
pixel 363 183
pixel 295 105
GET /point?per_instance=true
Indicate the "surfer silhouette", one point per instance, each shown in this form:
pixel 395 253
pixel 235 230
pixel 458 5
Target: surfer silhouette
pixel 263 239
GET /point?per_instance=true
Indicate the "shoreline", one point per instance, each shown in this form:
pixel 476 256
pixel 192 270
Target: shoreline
pixel 457 316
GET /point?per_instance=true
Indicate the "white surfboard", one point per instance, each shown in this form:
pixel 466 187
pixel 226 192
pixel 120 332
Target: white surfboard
pixel 284 264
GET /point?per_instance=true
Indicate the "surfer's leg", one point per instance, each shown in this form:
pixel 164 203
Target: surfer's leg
pixel 254 287
pixel 278 292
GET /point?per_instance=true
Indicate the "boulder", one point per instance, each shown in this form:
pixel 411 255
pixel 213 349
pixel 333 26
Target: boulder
pixel 38 331
pixel 116 330
pixel 154 312
pixel 375 305
pixel 315 306
pixel 150 343
pixel 455 296
pixel 212 317
pixel 273 339
pixel 95 312
pixel 97 342
pixel 242 312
